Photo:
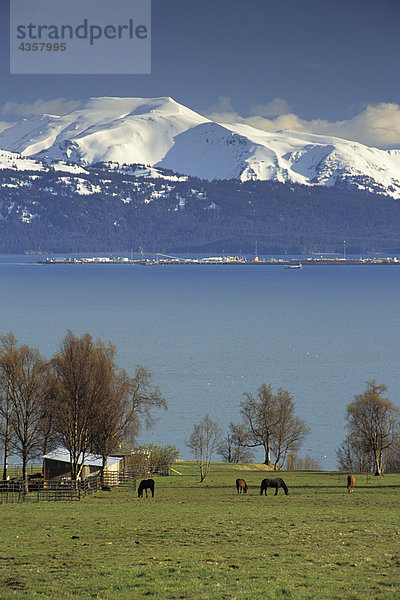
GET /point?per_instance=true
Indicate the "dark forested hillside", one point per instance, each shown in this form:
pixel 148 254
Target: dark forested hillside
pixel 105 210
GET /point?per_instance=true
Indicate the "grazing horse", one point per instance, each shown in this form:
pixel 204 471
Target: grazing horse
pixel 350 483
pixel 274 483
pixel 241 486
pixel 144 485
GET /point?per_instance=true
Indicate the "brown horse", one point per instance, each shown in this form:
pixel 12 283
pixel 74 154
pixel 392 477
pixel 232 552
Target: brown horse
pixel 350 483
pixel 241 486
pixel 274 483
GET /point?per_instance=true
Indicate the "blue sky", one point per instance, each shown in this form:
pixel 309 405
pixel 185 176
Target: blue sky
pixel 324 66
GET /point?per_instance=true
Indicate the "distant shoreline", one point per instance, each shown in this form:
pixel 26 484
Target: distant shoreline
pixel 222 260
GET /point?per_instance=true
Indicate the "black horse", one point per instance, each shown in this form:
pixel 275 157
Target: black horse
pixel 144 485
pixel 274 483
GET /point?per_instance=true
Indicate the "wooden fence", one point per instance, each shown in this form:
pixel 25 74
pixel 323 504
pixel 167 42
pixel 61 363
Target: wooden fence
pixel 67 490
pixel 11 491
pixel 61 491
pixel 111 479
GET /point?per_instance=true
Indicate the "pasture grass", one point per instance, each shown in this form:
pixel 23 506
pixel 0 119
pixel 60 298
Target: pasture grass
pixel 204 541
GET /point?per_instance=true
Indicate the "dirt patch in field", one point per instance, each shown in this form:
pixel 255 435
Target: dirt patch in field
pixel 255 467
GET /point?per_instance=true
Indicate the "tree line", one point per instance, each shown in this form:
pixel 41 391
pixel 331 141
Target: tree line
pixel 78 399
pixel 269 421
pixel 123 212
pixel 373 440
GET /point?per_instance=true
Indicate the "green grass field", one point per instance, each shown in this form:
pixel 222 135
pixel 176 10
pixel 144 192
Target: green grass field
pixel 204 541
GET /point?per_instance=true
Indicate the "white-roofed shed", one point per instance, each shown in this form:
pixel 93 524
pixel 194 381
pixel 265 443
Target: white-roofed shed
pixel 57 464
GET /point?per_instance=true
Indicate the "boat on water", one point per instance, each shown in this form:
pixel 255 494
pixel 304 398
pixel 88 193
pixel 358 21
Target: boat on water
pixel 297 266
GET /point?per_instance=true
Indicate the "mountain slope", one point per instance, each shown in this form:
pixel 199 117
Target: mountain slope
pixel 105 207
pixel 161 132
pixel 123 130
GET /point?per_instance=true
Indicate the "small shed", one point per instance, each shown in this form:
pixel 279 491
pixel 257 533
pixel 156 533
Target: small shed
pixel 56 464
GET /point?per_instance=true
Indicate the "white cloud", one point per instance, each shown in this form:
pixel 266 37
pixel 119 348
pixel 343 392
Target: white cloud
pixel 58 106
pixel 278 106
pixel 223 105
pixel 376 125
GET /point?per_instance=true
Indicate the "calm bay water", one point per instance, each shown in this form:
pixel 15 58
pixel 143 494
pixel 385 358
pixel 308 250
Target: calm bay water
pixel 210 333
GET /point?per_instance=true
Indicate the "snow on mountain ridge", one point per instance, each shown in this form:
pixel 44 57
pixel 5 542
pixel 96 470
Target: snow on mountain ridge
pixel 17 162
pixel 160 132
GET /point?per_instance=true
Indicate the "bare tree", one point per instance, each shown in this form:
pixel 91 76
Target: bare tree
pixel 392 456
pixel 24 383
pixel 373 422
pixel 353 456
pixel 129 406
pixel 271 423
pixel 311 464
pixel 95 406
pixel 48 437
pixel 233 448
pixel 144 398
pixel 150 458
pixel 204 441
pixel 80 387
pixel 296 463
pixel 259 418
pixel 109 422
pixel 289 432
pixel 8 359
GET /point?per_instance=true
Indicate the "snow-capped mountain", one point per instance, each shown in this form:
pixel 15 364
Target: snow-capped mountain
pixel 121 130
pixel 59 206
pixel 160 132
